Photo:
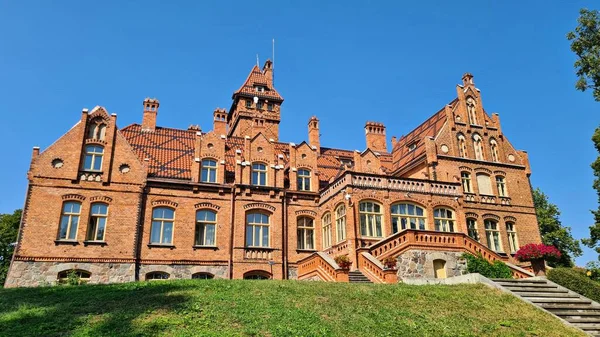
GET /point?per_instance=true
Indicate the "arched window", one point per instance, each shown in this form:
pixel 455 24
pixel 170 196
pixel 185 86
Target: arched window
pixel 478 147
pixel 202 276
pixel 443 219
pixel 97 224
pixel 370 219
pixel 340 223
pixel 93 158
pixel 257 275
pixel 97 131
pixel 501 185
pixel 81 276
pixel 257 230
pixel 306 233
pixel 494 150
pixel 259 174
pixel 326 223
pixel 209 171
pixel 206 224
pixel 462 146
pixel 472 111
pixel 484 183
pixel 465 178
pixel 493 235
pixel 407 216
pixel 511 232
pixel 69 220
pixel 303 180
pixel 472 229
pixel 162 226
pixel 157 275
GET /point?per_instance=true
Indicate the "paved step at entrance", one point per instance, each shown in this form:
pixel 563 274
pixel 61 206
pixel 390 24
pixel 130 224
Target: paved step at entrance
pixel 357 277
pixel 560 301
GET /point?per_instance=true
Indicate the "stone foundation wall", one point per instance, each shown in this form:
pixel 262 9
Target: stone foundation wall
pixel 292 273
pixel 419 264
pixel 33 274
pixel 184 271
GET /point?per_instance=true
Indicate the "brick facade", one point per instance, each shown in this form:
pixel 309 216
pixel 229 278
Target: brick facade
pixel 240 168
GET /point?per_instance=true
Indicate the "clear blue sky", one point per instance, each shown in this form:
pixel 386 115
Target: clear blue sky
pixel 344 61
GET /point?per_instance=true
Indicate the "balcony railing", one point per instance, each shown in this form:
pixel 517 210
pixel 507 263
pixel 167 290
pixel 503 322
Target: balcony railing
pixel 321 266
pixel 257 253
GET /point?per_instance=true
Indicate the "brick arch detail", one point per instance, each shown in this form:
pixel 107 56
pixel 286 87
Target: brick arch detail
pixel 465 168
pixel 207 205
pixel 73 197
pixel 164 202
pixel 500 173
pixel 101 198
pixel 306 212
pixel 483 170
pixel 491 216
pixel 471 215
pixel 509 218
pixel 259 205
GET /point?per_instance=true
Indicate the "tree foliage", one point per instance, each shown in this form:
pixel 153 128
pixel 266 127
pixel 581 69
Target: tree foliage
pixel 585 43
pixel 553 232
pixel 9 227
pixel 594 240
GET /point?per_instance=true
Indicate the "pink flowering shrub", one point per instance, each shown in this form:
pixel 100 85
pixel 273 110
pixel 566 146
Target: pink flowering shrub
pixel 535 251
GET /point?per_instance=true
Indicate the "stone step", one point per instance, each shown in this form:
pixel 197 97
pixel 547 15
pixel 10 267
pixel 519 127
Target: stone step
pixel 587 326
pixel 528 294
pixel 595 320
pixel 540 290
pixel 557 300
pixel 534 287
pixel 575 313
pixel 567 306
pixel 520 280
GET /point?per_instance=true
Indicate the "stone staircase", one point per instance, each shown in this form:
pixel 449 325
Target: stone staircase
pixel 559 301
pixel 356 276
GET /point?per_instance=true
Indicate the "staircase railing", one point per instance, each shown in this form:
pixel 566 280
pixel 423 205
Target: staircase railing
pixel 375 270
pixel 323 267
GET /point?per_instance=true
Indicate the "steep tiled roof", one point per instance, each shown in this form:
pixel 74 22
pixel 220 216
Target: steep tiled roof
pixel 402 154
pixel 257 77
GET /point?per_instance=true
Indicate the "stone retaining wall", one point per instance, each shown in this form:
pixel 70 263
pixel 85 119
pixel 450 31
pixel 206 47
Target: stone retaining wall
pixel 419 264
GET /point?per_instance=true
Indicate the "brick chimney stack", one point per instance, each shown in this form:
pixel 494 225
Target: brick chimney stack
pixel 268 71
pixel 220 121
pixel 313 133
pixel 150 112
pixel 375 134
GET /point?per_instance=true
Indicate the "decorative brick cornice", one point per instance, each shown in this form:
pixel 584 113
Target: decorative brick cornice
pixel 510 219
pixel 465 168
pixel 306 212
pixel 491 216
pixel 73 197
pixel 207 205
pixel 471 215
pixel 164 202
pixel 260 205
pixel 483 169
pixel 101 198
pixel 71 259
pixel 500 173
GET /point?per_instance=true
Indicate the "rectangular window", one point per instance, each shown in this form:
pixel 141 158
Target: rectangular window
pixel 69 221
pixel 270 106
pixel 512 237
pixel 162 226
pixel 466 182
pixel 305 233
pixel 493 235
pixel 248 103
pixel 206 223
pixel 259 105
pixel 257 230
pixel 326 223
pixel 209 171
pixel 472 229
pixel 259 174
pixel 340 223
pixel 370 219
pixel 501 185
pixel 97 225
pixel 303 180
pixel 93 158
pixel 484 184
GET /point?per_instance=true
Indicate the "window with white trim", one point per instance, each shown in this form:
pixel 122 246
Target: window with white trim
pixel 407 216
pixel 306 233
pixel 492 234
pixel 462 146
pixel 157 275
pixel 501 185
pixel 202 276
pixel 303 180
pixel 465 178
pixel 326 224
pixel 443 219
pixel 69 220
pixel 161 232
pixel 209 171
pixel 83 276
pixel 511 232
pixel 340 223
pixel 93 158
pixel 259 174
pixel 370 219
pixel 97 225
pixel 472 229
pixel 257 230
pixel 478 147
pixel 494 150
pixel 206 226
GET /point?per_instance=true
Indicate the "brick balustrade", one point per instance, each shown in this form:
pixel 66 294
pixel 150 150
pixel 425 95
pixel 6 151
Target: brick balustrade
pixel 323 266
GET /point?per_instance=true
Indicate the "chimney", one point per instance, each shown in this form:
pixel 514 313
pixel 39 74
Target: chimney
pixel 150 112
pixel 375 134
pixel 220 121
pixel 467 80
pixel 313 133
pixel 268 71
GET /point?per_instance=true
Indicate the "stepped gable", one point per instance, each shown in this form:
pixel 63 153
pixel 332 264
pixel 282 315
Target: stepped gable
pixel 430 128
pixel 258 77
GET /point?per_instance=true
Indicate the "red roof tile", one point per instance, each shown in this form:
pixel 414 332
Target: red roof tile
pixel 257 77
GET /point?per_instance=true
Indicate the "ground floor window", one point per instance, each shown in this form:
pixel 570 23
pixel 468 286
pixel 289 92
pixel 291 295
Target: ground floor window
pixel 493 235
pixel 257 275
pixel 202 276
pixel 157 275
pixel 74 276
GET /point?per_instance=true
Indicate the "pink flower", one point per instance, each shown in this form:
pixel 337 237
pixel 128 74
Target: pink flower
pixel 535 251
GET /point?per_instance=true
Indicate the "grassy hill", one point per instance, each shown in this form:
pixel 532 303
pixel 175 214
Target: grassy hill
pixel 270 308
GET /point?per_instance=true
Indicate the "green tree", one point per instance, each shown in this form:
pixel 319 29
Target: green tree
pixel 9 227
pixel 585 43
pixel 553 232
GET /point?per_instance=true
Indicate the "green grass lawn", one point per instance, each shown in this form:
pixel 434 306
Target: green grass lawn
pixel 270 308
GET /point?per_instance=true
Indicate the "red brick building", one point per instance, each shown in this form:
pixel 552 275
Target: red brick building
pixel 146 202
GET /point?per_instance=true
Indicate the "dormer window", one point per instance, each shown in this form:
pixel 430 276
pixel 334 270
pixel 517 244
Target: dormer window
pixel 270 106
pixel 412 147
pixel 259 88
pixel 346 162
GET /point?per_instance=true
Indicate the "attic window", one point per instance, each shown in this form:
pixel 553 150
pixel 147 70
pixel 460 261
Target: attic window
pixel 259 88
pixel 412 147
pixel 346 162
pixel 248 103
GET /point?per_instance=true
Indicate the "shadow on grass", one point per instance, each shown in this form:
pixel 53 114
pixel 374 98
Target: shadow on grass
pixel 93 310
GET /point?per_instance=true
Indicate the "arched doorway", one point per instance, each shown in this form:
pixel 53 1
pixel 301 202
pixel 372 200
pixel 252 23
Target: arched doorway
pixel 439 268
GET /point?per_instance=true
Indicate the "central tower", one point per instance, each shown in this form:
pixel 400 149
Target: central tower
pixel 256 106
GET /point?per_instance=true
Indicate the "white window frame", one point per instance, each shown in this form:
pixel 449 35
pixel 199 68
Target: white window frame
pixel 303 179
pixel 162 221
pixel 501 186
pixel 209 166
pixel 95 220
pixel 492 235
pixel 305 229
pixel 204 224
pixel 327 235
pixel 467 185
pixel 72 220
pixel 340 223
pixel 371 222
pixel 252 226
pixel 91 152
pixel 478 147
pixel 261 174
pixel 472 231
pixel 443 219
pixel 403 217
pixel 511 233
